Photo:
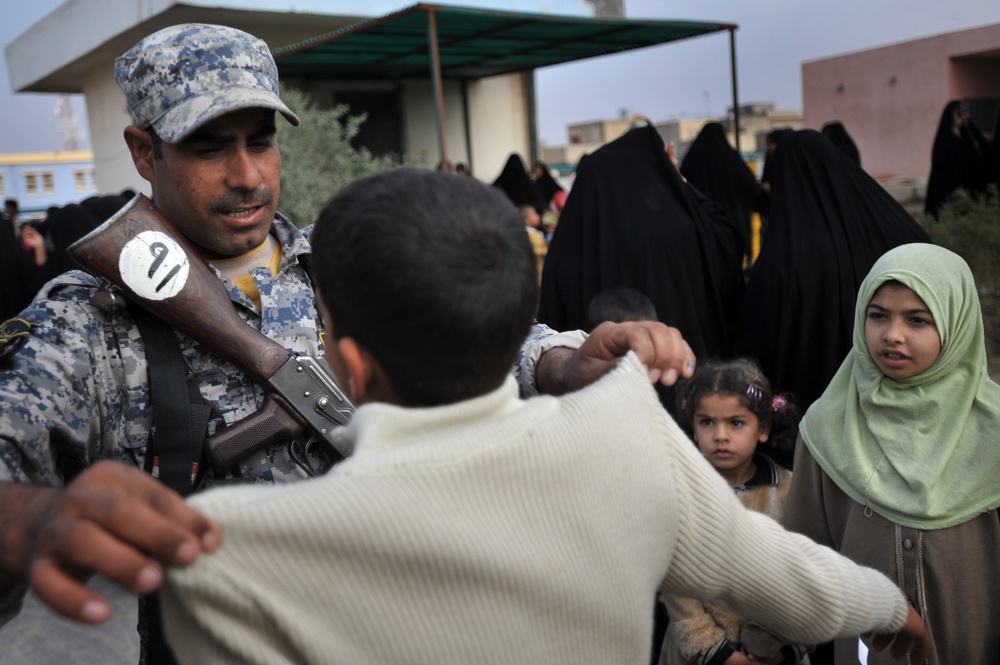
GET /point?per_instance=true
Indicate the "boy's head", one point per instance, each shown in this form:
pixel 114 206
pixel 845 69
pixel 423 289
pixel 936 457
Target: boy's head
pixel 620 304
pixel 431 276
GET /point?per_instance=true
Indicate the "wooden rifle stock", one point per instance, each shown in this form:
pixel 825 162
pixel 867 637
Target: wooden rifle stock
pixel 141 252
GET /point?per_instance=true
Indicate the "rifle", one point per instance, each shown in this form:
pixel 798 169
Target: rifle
pixel 141 252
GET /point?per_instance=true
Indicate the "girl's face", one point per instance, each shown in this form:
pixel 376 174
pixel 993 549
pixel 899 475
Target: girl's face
pixel 900 332
pixel 727 433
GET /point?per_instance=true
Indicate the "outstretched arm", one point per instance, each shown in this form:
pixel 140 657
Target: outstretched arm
pixel 745 559
pixel 113 520
pixel 661 349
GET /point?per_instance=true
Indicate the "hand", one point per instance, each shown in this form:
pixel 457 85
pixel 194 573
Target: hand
pixel 33 241
pixel 30 237
pixel 114 520
pixel 739 658
pixel 661 348
pixel 912 639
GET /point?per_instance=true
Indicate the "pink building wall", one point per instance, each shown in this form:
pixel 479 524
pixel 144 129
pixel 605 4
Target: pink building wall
pixel 890 98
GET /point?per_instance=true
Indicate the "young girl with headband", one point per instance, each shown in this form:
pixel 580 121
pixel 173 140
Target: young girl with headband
pixel 732 414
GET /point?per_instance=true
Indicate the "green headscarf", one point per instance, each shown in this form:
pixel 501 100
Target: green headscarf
pixel 923 451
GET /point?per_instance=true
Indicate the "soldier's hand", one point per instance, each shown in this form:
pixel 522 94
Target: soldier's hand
pixel 113 520
pixel 661 348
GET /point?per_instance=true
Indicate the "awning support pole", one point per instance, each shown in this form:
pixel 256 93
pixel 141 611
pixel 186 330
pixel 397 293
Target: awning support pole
pixel 736 95
pixel 438 87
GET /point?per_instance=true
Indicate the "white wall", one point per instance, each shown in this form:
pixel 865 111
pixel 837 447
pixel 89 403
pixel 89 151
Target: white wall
pixel 420 138
pixel 498 118
pixel 108 117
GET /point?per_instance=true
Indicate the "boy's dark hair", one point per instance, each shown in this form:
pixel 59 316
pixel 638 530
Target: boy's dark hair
pixel 620 304
pixel 433 274
pixel 742 378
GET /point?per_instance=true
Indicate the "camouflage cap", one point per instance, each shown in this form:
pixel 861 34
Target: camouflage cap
pixel 181 77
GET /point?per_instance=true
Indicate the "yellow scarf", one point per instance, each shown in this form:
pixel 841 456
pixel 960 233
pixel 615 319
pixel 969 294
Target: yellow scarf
pixel 238 268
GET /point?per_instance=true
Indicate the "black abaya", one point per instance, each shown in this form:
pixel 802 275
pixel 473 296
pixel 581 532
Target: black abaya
pixel 718 171
pixel 957 160
pixel 515 182
pixel 630 221
pixel 837 133
pixel 829 223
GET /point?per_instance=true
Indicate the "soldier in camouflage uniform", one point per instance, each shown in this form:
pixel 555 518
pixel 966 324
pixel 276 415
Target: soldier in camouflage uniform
pixel 74 388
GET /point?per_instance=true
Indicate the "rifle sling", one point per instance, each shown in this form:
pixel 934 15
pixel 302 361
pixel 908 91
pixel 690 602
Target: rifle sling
pixel 180 416
pixel 179 432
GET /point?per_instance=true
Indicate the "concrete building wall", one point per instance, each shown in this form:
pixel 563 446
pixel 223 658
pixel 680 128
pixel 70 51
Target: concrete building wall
pixel 420 138
pixel 108 117
pixel 890 98
pixel 498 123
pixel 40 180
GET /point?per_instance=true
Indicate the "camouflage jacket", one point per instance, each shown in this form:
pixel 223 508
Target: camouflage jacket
pixel 73 374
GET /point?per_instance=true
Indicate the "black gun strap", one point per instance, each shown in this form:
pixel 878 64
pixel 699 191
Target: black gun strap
pixel 171 403
pixel 173 445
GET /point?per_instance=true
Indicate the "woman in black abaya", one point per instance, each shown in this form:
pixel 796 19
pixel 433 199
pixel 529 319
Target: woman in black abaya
pixel 631 221
pixel 544 186
pixel 837 133
pixel 960 157
pixel 718 171
pixel 829 223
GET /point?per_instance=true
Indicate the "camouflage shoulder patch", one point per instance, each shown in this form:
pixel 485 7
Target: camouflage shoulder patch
pixel 13 333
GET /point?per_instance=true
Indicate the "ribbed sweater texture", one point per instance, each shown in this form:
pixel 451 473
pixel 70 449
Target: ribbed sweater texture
pixel 501 530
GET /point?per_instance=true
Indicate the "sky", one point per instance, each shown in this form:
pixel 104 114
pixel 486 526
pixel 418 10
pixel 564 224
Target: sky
pixel 774 38
pixel 661 82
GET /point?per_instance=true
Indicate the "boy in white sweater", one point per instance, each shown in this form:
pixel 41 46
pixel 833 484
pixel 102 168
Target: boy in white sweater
pixel 471 526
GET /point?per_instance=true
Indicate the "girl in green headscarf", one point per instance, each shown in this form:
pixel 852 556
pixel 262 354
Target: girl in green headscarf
pixel 897 462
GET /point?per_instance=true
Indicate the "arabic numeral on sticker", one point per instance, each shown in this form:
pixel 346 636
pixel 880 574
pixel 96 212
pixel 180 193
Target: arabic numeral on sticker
pixel 153 266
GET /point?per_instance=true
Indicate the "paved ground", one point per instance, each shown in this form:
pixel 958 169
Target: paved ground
pixel 39 637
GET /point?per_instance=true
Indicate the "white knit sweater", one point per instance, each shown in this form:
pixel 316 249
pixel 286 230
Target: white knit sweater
pixel 499 530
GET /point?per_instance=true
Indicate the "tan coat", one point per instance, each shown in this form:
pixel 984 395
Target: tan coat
pixel 952 576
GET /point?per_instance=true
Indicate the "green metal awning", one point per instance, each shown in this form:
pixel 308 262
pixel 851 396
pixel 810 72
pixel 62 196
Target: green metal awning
pixel 472 43
pixel 448 42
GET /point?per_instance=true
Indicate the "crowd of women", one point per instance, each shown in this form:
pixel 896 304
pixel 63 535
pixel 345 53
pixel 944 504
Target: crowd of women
pixel 851 316
pixel 33 252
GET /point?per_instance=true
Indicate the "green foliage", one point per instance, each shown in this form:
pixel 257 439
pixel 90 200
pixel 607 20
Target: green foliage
pixel 318 158
pixel 970 227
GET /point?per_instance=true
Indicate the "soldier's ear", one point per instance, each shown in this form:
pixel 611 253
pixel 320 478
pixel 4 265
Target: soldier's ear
pixel 140 145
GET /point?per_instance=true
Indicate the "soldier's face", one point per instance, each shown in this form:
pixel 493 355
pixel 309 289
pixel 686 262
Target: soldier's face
pixel 220 185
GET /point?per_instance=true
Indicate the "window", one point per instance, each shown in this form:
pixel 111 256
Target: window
pixel 80 180
pixel 48 182
pixel 31 184
pixel 3 190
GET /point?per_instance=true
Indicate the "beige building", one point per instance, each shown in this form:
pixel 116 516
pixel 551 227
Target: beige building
pixel 681 132
pixel 890 98
pixel 756 120
pixel 587 137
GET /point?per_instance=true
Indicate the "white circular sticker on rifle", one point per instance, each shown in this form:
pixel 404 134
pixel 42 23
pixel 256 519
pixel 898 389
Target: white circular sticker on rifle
pixel 153 265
